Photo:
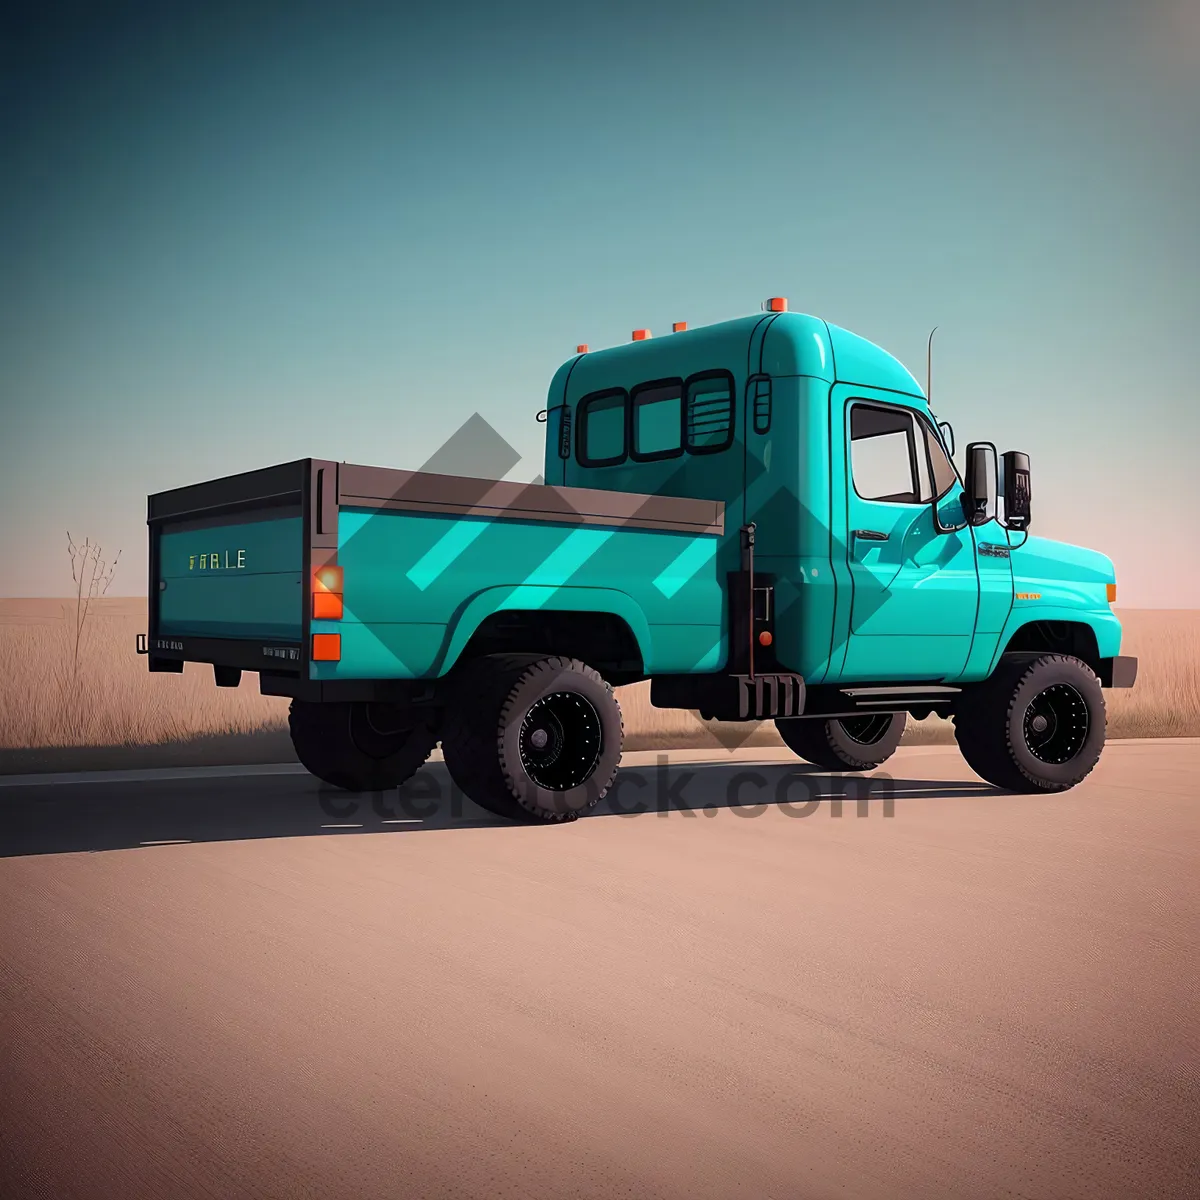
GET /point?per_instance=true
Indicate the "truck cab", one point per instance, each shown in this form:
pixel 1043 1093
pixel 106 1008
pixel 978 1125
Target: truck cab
pixel 827 446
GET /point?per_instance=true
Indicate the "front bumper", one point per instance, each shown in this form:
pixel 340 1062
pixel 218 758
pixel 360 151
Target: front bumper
pixel 1118 672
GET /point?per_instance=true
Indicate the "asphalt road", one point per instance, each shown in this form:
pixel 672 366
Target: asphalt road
pixel 940 992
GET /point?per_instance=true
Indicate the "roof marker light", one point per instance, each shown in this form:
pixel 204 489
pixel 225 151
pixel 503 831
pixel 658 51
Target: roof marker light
pixel 581 348
pixel 679 327
pixel 776 304
pixel 640 335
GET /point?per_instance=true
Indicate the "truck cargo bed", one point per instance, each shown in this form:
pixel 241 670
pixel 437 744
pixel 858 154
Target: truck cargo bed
pixel 231 559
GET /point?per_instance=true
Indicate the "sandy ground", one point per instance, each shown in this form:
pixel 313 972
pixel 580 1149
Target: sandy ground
pixel 977 996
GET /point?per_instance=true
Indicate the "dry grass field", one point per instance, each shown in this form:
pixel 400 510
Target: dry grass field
pixel 115 703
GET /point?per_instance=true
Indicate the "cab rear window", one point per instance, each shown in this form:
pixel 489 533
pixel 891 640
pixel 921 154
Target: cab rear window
pixel 657 420
pixel 709 425
pixel 602 428
pixel 660 418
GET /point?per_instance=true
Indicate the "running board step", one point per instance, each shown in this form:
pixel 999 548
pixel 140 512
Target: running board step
pixel 732 697
pixel 890 696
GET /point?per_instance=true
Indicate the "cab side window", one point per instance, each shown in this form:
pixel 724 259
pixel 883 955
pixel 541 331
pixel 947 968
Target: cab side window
pixel 883 455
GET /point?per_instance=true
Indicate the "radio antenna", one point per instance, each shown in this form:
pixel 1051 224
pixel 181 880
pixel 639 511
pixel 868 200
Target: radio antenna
pixel 929 365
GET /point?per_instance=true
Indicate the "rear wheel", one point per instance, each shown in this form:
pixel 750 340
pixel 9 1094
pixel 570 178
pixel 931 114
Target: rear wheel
pixel 1037 725
pixel 533 739
pixel 358 746
pixel 843 743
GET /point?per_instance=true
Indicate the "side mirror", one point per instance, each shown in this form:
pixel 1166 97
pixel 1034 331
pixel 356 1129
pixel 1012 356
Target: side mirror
pixel 1016 490
pixel 980 486
pixel 947 436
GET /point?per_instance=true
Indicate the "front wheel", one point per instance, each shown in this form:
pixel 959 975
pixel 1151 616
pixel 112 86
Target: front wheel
pixel 843 743
pixel 1037 725
pixel 359 747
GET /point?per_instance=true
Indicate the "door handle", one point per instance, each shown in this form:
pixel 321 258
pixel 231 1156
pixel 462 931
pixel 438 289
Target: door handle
pixel 869 535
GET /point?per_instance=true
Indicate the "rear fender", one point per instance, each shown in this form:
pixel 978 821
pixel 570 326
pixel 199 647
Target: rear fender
pixel 548 599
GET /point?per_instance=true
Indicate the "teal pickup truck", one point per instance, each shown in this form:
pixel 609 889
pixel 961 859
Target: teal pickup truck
pixel 761 516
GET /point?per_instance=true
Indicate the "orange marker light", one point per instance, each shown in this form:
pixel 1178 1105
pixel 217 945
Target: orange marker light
pixel 1112 593
pixel 765 638
pixel 777 304
pixel 581 348
pixel 327 606
pixel 640 335
pixel 326 647
pixel 679 327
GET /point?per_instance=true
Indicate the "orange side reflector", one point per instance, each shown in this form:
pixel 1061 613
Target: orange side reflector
pixel 777 304
pixel 640 335
pixel 327 647
pixel 581 348
pixel 327 606
pixel 1112 593
pixel 328 579
pixel 679 327
pixel 765 638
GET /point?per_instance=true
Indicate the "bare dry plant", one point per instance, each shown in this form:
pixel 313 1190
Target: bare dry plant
pixel 92 575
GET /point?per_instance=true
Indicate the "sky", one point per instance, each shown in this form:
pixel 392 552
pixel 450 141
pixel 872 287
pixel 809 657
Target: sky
pixel 235 235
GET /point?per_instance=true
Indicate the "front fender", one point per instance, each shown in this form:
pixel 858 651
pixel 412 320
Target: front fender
pixel 547 598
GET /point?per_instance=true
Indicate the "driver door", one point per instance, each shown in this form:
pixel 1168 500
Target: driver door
pixel 915 588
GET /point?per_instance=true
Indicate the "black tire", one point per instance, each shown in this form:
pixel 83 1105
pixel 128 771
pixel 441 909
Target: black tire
pixel 843 743
pixel 359 747
pixel 491 740
pixel 1036 725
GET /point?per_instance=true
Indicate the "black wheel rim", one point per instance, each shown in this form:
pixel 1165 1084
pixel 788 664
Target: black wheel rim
pixel 561 739
pixel 379 730
pixel 1056 724
pixel 867 731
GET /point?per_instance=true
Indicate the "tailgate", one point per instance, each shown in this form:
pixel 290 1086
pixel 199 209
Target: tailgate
pixel 232 579
pixel 228 558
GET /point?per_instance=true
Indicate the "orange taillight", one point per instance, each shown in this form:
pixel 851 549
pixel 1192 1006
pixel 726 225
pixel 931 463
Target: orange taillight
pixel 326 647
pixel 765 638
pixel 327 606
pixel 328 579
pixel 327 593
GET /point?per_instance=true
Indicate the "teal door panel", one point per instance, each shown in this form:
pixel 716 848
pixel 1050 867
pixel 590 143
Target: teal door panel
pixel 917 591
pixel 914 587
